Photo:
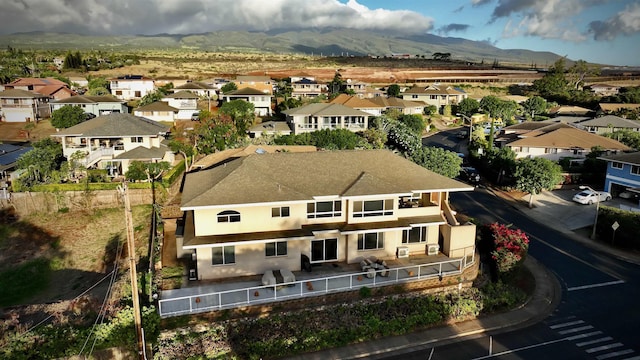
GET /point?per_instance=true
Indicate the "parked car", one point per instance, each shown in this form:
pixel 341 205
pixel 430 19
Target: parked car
pixel 462 134
pixel 195 116
pixel 470 175
pixel 589 197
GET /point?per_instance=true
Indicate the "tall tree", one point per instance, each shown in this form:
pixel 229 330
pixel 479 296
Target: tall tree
pixel 67 116
pixel 241 112
pixel 229 87
pixel 579 71
pixel 40 162
pixel 535 105
pixel 536 174
pixel 336 85
pixel 468 106
pixel 438 160
pixel 393 90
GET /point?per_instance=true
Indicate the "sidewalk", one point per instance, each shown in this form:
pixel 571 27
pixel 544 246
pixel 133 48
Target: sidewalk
pixel 545 299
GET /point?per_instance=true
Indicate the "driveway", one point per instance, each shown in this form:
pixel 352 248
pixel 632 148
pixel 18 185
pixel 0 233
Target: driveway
pixel 557 206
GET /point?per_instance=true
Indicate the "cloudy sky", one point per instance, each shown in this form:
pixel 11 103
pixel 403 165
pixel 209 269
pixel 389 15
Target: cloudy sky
pixel 603 31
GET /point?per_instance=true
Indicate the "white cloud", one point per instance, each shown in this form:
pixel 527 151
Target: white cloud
pixel 626 22
pixel 198 16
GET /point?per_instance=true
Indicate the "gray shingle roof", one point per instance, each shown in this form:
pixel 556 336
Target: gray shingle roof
pixel 264 178
pixel 19 93
pixel 184 94
pixel 157 106
pixel 612 120
pixel 115 125
pixel 632 158
pixel 143 153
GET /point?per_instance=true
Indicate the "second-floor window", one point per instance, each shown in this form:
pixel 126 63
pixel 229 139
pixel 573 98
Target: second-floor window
pixel 136 139
pixel 372 208
pixel 228 216
pixel 278 248
pixel 323 209
pixel 371 241
pixel 616 165
pixel 415 235
pixel 280 211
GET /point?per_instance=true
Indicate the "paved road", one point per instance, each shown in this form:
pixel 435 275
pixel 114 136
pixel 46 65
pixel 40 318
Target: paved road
pixel 598 317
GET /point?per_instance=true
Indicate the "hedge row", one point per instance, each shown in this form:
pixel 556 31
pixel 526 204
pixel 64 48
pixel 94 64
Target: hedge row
pixel 629 227
pixel 86 186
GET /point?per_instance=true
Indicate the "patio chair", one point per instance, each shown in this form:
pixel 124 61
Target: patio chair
pixel 287 276
pixel 268 278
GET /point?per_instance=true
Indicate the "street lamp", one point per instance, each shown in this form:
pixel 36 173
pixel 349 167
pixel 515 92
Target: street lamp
pixel 470 124
pixel 595 222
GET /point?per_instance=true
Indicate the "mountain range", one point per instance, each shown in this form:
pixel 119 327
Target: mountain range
pixel 328 42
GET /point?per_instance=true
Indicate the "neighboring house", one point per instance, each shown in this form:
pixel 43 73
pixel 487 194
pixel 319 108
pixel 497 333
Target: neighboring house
pixel 436 95
pixel 131 87
pixel 269 128
pixel 33 84
pixel 112 141
pixel 623 173
pixel 359 88
pixel 608 124
pixel 407 107
pixel 604 89
pixel 18 105
pixel 568 110
pixel 261 101
pixel 9 155
pixel 566 119
pixel 78 82
pixel 158 111
pixel 518 99
pixel 185 101
pixel 56 92
pixel 560 142
pixel 199 88
pixel 357 103
pixel 261 83
pixel 307 88
pixel 220 157
pixel 96 105
pixel 321 116
pixel 269 211
pixel 613 107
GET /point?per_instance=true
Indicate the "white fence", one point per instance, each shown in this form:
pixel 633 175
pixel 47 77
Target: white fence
pixel 253 295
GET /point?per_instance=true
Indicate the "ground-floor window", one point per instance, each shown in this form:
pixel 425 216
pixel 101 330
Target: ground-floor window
pixel 324 250
pixel 371 241
pixel 278 248
pixel 223 255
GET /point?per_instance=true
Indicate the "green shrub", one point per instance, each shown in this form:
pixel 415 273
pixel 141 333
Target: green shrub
pixel 174 173
pixel 24 281
pixel 365 292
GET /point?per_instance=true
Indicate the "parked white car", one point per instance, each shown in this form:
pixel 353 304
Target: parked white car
pixel 589 197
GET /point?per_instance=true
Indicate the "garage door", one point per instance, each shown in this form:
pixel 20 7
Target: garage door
pixel 16 116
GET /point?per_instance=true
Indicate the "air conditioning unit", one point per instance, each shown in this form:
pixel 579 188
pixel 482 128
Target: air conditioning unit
pixel 433 249
pixel 402 252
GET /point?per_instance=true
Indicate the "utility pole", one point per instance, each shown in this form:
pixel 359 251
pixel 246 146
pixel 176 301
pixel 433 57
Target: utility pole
pixel 132 269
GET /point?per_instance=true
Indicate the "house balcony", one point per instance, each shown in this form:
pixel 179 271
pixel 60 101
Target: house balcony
pixel 324 279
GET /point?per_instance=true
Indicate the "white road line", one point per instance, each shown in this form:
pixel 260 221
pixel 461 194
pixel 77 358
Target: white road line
pixel 519 349
pixel 617 353
pixel 608 338
pixel 595 285
pixel 575 330
pixel 566 324
pixel 633 358
pixel 582 336
pixel 604 347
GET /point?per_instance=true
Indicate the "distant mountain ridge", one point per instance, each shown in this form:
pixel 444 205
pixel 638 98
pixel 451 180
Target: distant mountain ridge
pixel 326 42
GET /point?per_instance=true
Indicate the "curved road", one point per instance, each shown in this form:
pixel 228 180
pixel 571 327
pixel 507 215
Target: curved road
pixel 599 314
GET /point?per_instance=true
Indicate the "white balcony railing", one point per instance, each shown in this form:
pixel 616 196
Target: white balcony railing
pixel 252 295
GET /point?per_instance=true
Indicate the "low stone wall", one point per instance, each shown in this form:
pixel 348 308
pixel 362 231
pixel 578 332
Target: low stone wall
pixel 25 203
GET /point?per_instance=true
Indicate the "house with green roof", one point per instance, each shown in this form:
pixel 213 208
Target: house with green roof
pixel 113 141
pixel 266 211
pixel 319 116
pixel 96 105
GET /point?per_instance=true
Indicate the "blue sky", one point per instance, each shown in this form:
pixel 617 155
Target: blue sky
pixel 600 31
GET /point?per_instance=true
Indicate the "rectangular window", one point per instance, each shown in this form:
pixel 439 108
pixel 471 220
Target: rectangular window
pixel 118 92
pixel 137 139
pixel 138 94
pixel 223 255
pixel 371 241
pixel 635 169
pixel 415 235
pixel 323 209
pixel 551 150
pixel 525 149
pixel 433 97
pixel 280 211
pixel 372 208
pixel 276 249
pixel 616 165
pixel 414 96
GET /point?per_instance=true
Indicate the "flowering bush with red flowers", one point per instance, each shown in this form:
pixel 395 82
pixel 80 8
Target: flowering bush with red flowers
pixel 511 246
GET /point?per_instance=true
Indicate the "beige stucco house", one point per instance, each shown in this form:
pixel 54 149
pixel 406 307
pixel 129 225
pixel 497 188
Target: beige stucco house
pixel 319 116
pixel 437 95
pixel 261 100
pixel 270 210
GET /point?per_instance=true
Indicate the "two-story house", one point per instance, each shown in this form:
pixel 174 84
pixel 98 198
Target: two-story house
pixel 18 105
pixel 96 105
pixel 436 95
pixel 358 103
pixel 623 173
pixel 262 83
pixel 321 116
pixel 269 211
pixel 129 87
pixel 261 100
pixel 157 111
pixel 199 88
pixel 406 107
pixel 307 88
pixel 112 141
pixel 608 124
pixel 185 101
pixel 34 84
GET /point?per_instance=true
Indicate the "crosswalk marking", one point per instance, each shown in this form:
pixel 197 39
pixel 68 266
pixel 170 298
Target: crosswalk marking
pixel 574 330
pixel 603 347
pixel 567 324
pixel 632 358
pixel 608 338
pixel 614 354
pixel 585 335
